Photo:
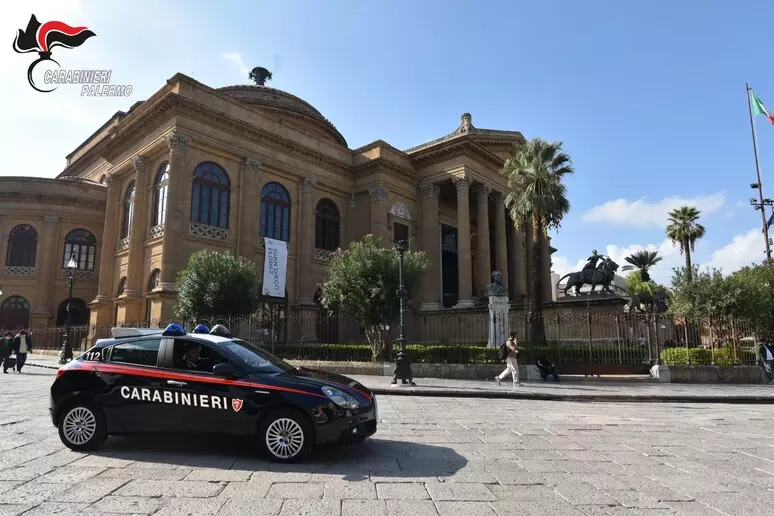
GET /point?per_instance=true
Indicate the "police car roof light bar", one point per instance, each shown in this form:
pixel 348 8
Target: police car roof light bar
pixel 174 330
pixel 220 331
pixel 201 328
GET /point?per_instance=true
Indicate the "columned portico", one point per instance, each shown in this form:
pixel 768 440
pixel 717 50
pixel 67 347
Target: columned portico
pixel 134 279
pixel 431 243
pixel 483 258
pixel 462 184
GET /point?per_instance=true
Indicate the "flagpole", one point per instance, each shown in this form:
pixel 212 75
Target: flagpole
pixel 758 172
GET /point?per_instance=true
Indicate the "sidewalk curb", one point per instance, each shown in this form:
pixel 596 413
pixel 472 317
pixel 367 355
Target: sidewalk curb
pixel 44 366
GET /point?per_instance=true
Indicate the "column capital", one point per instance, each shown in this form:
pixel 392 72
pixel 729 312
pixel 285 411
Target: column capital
pixel 251 166
pixel 306 185
pixel 352 202
pixel 429 191
pixel 178 142
pixel 378 193
pixel 482 190
pixel 140 163
pixel 50 220
pixel 462 183
pixel 111 181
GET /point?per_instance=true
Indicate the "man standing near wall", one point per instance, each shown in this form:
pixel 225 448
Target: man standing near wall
pixel 766 357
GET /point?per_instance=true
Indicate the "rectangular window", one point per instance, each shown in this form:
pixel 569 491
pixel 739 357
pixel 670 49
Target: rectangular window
pixel 400 231
pixel 188 355
pixel 139 352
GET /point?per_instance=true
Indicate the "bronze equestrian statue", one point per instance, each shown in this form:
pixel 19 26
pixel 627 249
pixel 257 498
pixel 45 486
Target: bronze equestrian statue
pixel 590 275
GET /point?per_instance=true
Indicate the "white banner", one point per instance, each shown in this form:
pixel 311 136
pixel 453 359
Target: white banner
pixel 275 267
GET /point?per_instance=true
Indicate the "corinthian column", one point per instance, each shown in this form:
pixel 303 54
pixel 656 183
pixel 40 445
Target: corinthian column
pixel 134 277
pixel 483 258
pixel 501 241
pixel 378 195
pixel 306 242
pixel 249 208
pixel 431 244
pixel 173 225
pixel 465 269
pixel 109 241
pixel 46 267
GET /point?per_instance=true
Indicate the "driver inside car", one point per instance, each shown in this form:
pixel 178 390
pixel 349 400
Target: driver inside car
pixel 191 356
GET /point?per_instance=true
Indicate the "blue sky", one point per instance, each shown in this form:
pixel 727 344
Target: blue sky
pixel 648 97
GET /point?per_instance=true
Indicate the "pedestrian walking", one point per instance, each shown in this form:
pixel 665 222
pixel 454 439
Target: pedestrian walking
pixel 766 358
pixel 511 360
pixel 22 344
pixel 6 349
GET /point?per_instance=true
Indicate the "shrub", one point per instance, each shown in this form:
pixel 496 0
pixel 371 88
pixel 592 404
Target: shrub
pixel 724 356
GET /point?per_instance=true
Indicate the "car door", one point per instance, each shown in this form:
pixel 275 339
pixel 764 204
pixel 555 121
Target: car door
pixel 204 402
pixel 131 371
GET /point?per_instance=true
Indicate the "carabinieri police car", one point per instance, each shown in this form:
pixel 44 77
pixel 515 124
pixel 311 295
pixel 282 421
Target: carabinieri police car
pixel 145 380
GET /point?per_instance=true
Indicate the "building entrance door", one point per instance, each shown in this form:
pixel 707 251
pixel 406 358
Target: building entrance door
pixel 449 266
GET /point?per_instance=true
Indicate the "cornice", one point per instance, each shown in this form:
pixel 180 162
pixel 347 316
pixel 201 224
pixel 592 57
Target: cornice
pixel 384 164
pixel 380 143
pixel 17 197
pixel 463 145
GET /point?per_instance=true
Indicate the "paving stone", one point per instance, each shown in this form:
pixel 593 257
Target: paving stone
pixel 89 491
pixel 311 508
pixel 181 488
pixel 402 491
pixel 464 509
pixel 411 508
pixel 343 490
pixel 70 474
pixel 542 466
pixel 126 505
pixel 295 490
pixel 135 473
pixel 549 507
pixel 280 476
pixel 692 508
pixel 450 491
pixel 578 493
pixel 58 508
pixel 191 507
pixel 32 493
pixel 526 493
pixel 13 509
pixel 363 508
pixel 634 499
pixel 219 475
pixel 245 490
pixel 236 507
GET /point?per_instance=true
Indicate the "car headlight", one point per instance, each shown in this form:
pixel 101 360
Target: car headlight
pixel 341 398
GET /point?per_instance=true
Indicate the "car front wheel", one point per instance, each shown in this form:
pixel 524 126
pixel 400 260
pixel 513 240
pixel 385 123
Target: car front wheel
pixel 82 427
pixel 286 436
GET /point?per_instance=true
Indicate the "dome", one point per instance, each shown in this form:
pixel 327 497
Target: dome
pixel 279 102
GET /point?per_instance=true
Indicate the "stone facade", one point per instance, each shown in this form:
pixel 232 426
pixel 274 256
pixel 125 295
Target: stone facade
pixel 195 167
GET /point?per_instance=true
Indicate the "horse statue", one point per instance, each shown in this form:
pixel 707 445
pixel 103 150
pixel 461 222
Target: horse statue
pixel 602 275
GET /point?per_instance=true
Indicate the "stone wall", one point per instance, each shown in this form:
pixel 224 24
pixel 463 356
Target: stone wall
pixel 715 374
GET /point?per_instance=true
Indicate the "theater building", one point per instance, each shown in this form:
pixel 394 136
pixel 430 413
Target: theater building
pixel 194 167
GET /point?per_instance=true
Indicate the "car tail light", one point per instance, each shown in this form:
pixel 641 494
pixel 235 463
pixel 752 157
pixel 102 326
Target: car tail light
pixel 60 372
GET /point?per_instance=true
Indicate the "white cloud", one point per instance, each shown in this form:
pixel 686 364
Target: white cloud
pixel 744 249
pixel 644 214
pixel 236 59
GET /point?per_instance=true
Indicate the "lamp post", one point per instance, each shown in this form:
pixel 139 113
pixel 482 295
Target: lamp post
pixel 762 207
pixel 403 361
pixel 66 354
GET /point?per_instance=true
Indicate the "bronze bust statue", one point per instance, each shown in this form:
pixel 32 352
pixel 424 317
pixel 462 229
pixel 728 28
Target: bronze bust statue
pixel 496 288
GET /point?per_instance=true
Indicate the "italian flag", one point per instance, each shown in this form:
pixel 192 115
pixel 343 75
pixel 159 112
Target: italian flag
pixel 759 109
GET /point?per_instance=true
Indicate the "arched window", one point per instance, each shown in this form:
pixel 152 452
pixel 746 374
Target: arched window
pixel 160 189
pixel 121 287
pixel 327 224
pixel 275 212
pixel 83 246
pixel 126 221
pixel 210 195
pixel 22 246
pixel 14 313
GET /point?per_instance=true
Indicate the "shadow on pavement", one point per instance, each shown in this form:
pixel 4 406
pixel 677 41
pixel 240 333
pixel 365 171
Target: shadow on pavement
pixel 357 461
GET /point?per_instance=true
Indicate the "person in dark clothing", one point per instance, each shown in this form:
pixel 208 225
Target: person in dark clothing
pixel 6 348
pixel 22 344
pixel 546 368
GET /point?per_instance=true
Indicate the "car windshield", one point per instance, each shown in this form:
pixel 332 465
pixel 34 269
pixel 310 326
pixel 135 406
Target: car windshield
pixel 257 359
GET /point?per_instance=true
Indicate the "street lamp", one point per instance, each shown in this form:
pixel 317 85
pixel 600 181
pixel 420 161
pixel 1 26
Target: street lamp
pixel 66 354
pixel 403 361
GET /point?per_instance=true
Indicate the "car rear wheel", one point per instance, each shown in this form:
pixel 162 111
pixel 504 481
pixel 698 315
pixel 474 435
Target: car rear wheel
pixel 286 436
pixel 82 426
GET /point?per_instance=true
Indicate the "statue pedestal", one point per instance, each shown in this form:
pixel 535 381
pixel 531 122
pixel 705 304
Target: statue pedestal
pixel 498 320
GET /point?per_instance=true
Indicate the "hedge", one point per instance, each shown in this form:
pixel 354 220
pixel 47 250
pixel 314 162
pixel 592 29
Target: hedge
pixel 724 356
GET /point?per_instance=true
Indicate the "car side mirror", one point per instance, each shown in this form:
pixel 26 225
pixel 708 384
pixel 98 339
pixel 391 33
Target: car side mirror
pixel 225 370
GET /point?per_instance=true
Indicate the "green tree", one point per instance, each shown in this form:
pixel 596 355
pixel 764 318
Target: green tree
pixel 215 283
pixel 683 228
pixel 635 285
pixel 756 289
pixel 363 282
pixel 538 198
pixel 708 296
pixel 642 261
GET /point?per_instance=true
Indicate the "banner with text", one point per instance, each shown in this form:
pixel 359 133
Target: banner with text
pixel 275 267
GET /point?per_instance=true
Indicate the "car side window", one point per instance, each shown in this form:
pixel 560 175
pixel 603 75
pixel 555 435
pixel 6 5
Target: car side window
pixel 190 355
pixel 138 352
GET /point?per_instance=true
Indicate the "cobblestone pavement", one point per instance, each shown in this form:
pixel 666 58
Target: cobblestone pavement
pixel 431 456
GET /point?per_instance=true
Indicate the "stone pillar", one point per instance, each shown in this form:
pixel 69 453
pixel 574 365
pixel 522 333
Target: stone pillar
pixel 378 195
pixel 249 208
pixel 501 243
pixel 306 242
pixel 175 220
pixel 351 218
pixel 499 327
pixel 431 244
pixel 465 271
pixel 102 306
pixel 134 276
pixel 46 268
pixel 483 258
pixel 3 246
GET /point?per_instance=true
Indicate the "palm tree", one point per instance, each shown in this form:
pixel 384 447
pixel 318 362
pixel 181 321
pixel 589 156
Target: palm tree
pixel 642 261
pixel 684 229
pixel 538 198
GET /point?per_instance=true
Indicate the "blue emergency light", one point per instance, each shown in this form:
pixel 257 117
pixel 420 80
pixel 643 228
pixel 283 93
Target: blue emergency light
pixel 174 330
pixel 201 328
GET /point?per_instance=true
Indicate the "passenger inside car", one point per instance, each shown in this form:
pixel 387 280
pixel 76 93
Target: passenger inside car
pixel 193 356
pixel 190 358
